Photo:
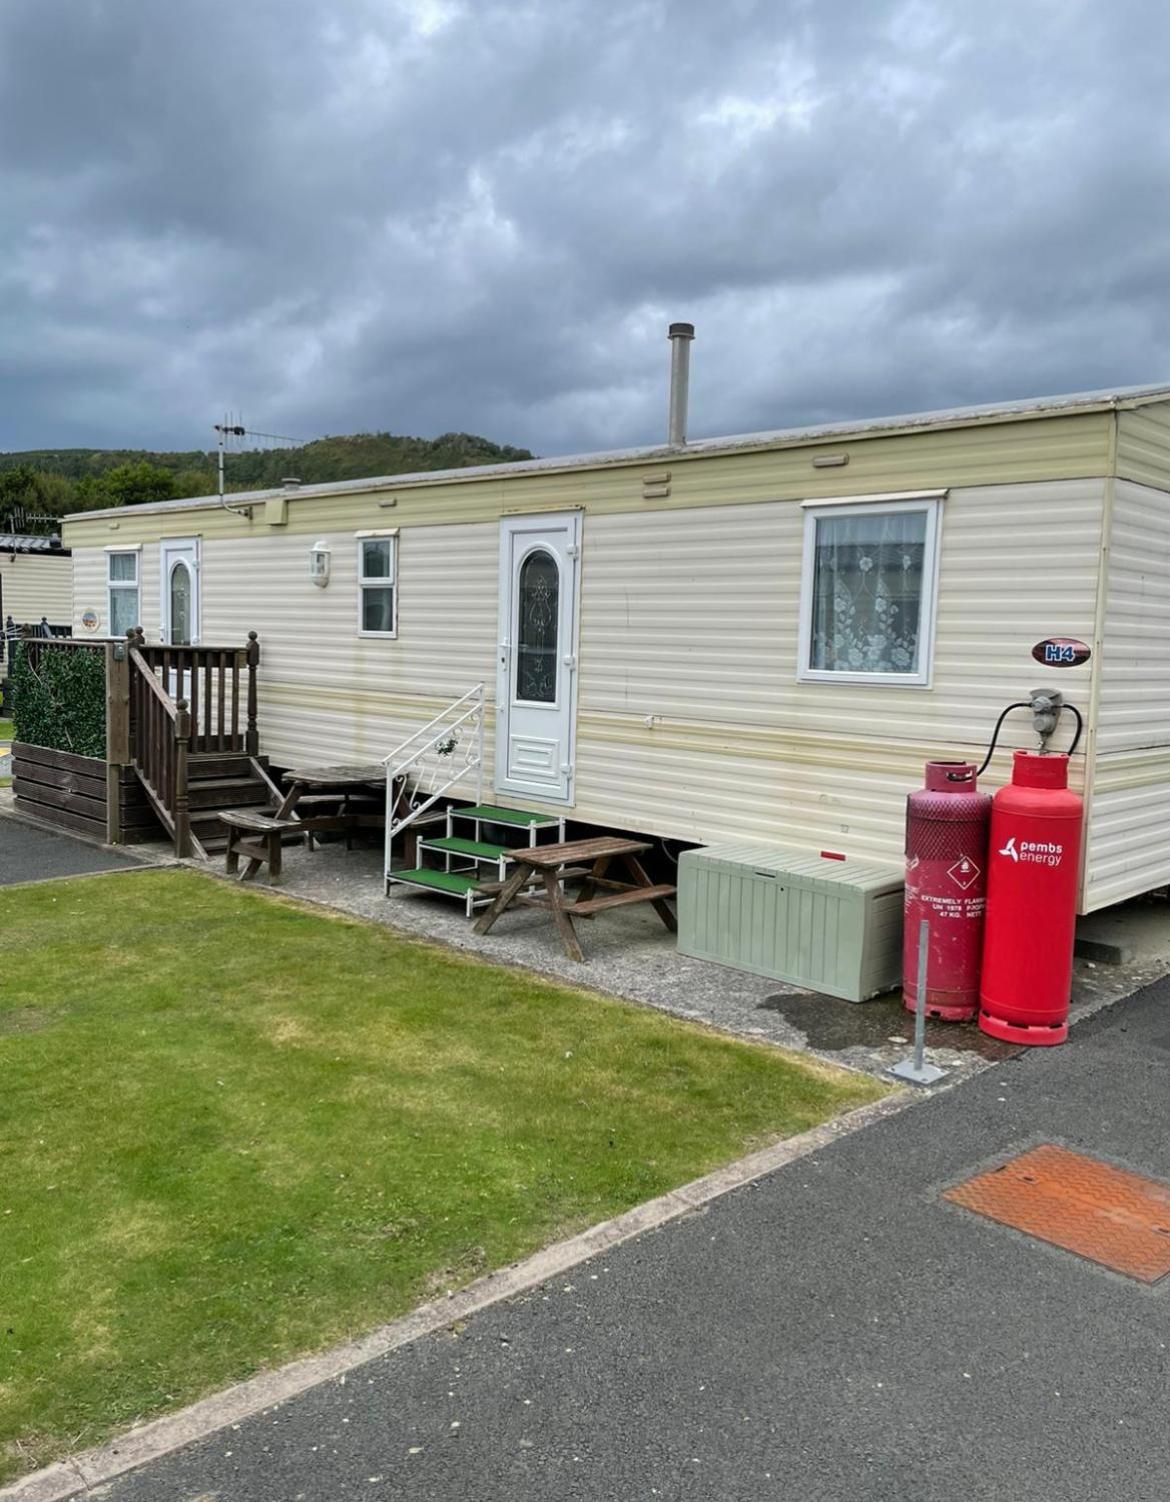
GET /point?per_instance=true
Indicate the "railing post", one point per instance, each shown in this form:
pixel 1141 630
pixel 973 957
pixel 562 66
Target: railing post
pixel 117 733
pixel 252 736
pixel 117 702
pixel 182 812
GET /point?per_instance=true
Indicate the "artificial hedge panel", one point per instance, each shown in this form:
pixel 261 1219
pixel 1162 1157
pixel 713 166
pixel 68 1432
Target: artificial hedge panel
pixel 61 702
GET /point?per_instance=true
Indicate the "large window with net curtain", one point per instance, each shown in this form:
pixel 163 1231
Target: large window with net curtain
pixel 868 591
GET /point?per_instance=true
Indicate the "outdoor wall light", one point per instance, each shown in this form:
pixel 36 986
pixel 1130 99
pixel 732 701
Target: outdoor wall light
pixel 319 560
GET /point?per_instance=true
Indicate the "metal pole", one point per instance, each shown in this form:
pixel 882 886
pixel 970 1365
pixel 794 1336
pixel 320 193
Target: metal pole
pixel 920 1008
pixel 915 1070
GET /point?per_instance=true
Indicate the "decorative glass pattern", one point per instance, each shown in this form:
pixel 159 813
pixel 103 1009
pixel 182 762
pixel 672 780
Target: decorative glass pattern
pixel 536 650
pixel 867 592
pixel 180 605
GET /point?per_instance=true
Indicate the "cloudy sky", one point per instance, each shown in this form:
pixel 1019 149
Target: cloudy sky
pixel 425 215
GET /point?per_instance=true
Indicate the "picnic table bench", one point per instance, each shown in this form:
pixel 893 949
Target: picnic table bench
pixel 552 865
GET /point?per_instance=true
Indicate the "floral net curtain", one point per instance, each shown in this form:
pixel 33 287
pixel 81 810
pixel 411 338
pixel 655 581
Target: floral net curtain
pixel 867 592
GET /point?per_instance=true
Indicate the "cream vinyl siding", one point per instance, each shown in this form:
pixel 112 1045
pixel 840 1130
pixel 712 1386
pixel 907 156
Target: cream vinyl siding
pixel 90 590
pixel 689 621
pixel 692 622
pixel 327 693
pixel 1129 835
pixel 35 585
pixel 1143 444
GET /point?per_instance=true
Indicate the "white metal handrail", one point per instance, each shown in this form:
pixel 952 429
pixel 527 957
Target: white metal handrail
pixel 438 738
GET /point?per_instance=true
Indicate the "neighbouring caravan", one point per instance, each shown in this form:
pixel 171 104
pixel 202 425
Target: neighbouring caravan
pixel 756 637
pixel 36 580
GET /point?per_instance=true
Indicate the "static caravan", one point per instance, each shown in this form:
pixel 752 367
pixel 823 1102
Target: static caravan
pixel 36 580
pixel 756 637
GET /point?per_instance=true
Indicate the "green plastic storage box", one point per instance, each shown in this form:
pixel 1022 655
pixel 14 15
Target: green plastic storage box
pixel 829 925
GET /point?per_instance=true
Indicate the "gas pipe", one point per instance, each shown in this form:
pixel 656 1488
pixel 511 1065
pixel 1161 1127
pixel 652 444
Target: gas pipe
pixel 1034 860
pixel 946 883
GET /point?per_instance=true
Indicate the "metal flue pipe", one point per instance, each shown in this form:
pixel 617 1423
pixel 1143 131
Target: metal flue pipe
pixel 680 336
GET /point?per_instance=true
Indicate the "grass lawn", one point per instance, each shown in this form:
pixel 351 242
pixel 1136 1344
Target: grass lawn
pixel 233 1130
pixel 5 730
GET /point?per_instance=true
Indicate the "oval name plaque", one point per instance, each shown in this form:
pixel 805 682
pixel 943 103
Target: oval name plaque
pixel 1061 652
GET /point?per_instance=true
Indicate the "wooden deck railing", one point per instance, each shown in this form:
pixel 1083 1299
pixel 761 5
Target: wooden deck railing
pixel 161 741
pixel 184 702
pixel 219 685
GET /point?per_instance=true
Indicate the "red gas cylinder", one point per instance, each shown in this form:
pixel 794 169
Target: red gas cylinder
pixel 946 883
pixel 1031 903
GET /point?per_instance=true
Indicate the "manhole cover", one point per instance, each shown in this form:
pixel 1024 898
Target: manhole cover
pixel 1108 1215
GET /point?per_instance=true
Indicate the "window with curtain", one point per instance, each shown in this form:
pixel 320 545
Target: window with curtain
pixel 122 588
pixel 869 581
pixel 377 564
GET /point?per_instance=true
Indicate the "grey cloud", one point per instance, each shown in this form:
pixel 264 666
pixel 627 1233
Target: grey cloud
pixel 435 214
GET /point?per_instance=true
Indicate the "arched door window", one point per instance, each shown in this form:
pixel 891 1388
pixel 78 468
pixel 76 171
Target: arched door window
pixel 181 595
pixel 539 611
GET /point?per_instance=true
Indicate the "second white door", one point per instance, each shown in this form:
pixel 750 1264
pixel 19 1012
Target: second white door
pixel 179 577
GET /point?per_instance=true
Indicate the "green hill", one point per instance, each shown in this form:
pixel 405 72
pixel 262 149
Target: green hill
pixel 50 482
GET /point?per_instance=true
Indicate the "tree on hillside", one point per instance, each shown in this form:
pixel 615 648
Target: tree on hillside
pixel 25 494
pixel 127 485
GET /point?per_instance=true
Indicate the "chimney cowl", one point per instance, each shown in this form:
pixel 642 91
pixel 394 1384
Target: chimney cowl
pixel 290 482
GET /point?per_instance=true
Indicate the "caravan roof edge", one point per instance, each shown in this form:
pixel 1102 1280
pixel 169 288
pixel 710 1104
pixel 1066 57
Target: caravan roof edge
pixel 781 438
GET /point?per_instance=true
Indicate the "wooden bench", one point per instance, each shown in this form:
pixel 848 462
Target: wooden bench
pixel 552 865
pixel 257 836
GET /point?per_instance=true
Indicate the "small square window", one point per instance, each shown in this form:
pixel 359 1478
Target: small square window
pixel 377 585
pixel 868 592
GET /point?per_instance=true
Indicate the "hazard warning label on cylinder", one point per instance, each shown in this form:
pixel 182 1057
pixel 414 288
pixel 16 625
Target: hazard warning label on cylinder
pixel 964 873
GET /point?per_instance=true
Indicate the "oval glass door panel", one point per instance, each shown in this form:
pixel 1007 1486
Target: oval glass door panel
pixel 181 605
pixel 538 618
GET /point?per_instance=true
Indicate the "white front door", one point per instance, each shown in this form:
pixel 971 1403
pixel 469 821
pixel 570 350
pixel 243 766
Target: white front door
pixel 536 683
pixel 179 579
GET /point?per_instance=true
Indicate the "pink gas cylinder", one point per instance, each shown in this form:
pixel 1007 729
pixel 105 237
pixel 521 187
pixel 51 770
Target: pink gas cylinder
pixel 946 883
pixel 1034 858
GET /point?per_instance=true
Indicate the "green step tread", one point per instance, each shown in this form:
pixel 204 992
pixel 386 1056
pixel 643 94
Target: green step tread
pixel 458 882
pixel 518 816
pixel 459 846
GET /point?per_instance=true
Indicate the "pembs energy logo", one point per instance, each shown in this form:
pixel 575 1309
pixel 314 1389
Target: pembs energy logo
pixel 1034 852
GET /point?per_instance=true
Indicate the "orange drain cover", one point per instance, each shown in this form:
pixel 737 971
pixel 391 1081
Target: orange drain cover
pixel 1106 1214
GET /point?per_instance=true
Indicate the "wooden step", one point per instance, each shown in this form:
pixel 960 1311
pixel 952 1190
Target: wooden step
pixel 226 764
pixel 226 792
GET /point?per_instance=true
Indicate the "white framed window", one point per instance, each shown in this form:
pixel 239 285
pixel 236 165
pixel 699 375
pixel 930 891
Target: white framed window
pixel 869 589
pixel 378 583
pixel 122 590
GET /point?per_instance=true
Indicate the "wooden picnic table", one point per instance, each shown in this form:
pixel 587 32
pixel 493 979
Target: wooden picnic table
pixel 310 787
pixel 591 859
pixel 337 784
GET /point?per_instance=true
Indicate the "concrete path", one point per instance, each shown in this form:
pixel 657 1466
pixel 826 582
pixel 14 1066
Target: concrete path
pixel 835 1333
pixel 30 854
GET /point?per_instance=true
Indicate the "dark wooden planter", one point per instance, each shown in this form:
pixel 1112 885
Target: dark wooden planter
pixel 74 792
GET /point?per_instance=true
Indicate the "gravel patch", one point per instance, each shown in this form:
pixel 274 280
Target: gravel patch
pixel 629 954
